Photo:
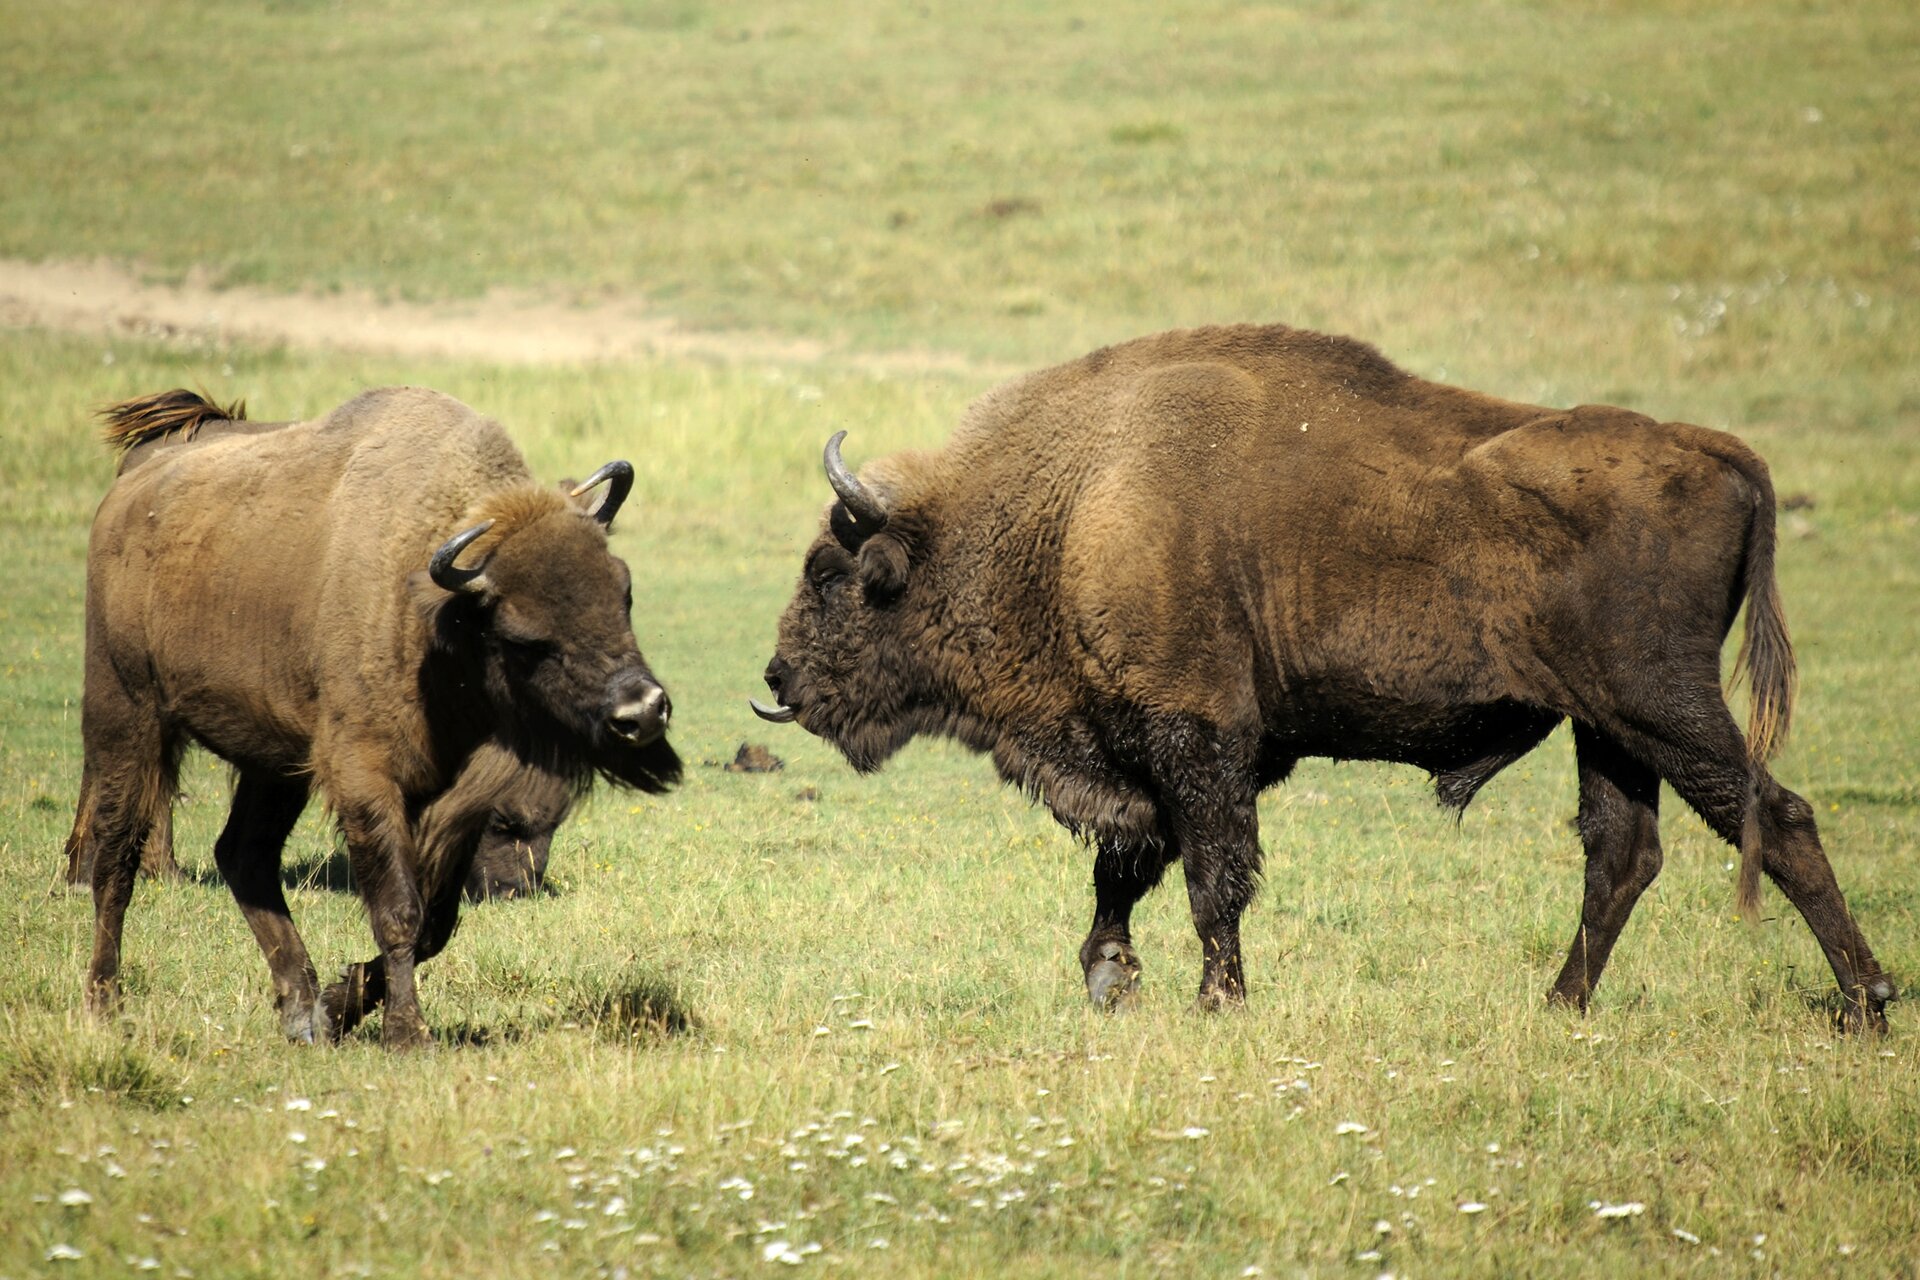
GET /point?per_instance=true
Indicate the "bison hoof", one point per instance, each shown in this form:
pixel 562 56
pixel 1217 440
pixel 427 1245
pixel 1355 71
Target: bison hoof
pixel 103 999
pixel 1865 1008
pixel 1216 999
pixel 398 1034
pixel 302 1020
pixel 1113 980
pixel 344 1004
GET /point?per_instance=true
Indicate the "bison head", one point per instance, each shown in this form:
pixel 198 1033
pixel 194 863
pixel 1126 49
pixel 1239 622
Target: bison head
pixel 542 611
pixel 845 667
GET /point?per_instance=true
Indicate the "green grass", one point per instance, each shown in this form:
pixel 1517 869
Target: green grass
pixel 1022 181
pixel 763 917
pixel 1013 183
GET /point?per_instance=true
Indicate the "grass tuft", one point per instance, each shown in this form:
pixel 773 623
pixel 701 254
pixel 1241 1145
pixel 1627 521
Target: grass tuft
pixel 58 1070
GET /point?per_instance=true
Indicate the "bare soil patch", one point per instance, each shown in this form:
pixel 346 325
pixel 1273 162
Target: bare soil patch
pixel 503 326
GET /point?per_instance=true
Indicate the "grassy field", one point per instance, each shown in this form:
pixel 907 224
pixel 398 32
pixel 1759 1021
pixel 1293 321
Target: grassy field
pixel 804 1019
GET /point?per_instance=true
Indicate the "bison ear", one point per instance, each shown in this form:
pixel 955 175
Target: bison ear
pixel 444 613
pixel 883 566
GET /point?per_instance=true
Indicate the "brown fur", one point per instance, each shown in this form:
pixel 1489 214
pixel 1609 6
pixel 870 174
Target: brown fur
pixel 267 596
pixel 511 859
pixel 1148 581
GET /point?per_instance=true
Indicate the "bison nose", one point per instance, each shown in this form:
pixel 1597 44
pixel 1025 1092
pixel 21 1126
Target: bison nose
pixel 781 713
pixel 643 718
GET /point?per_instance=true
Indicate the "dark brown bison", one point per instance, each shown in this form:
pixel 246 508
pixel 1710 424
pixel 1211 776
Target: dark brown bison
pixel 1151 580
pixel 511 859
pixel 380 604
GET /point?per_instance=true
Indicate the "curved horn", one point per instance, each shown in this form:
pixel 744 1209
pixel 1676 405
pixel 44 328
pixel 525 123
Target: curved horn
pixel 620 475
pixel 441 567
pixel 861 502
pixel 778 715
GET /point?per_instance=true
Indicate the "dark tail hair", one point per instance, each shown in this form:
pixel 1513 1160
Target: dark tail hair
pixel 135 422
pixel 1765 660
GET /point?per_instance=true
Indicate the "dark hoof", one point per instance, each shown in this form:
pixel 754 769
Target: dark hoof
pixel 103 999
pixel 398 1035
pixel 1217 999
pixel 1113 980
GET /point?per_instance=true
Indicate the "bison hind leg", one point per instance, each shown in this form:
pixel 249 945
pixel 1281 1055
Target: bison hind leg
pixel 130 773
pixel 1690 739
pixel 1620 828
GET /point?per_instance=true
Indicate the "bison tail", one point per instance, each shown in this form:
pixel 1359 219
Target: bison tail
pixel 135 422
pixel 1766 661
pixel 1766 653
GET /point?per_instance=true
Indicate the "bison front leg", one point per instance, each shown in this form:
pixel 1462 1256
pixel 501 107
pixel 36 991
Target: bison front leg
pixel 1123 873
pixel 1216 829
pixel 381 850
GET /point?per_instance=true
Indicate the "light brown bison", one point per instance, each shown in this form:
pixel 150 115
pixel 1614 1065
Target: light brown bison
pixel 511 859
pixel 296 601
pixel 1151 580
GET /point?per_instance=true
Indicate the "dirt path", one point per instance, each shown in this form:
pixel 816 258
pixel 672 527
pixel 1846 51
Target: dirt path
pixel 502 327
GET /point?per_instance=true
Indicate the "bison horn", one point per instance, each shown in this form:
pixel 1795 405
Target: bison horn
pixel 861 502
pixel 618 476
pixel 442 570
pixel 778 715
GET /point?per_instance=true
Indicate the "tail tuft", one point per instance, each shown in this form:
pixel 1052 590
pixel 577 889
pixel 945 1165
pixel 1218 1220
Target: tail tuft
pixel 1766 652
pixel 135 422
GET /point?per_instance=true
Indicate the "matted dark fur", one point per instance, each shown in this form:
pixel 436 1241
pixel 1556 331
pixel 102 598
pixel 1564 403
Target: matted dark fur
pixel 270 597
pixel 1151 580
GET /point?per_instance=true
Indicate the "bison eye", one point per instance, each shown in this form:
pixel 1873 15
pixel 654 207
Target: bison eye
pixel 524 646
pixel 828 568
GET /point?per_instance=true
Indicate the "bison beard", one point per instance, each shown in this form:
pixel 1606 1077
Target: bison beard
pixel 278 597
pixel 1148 582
